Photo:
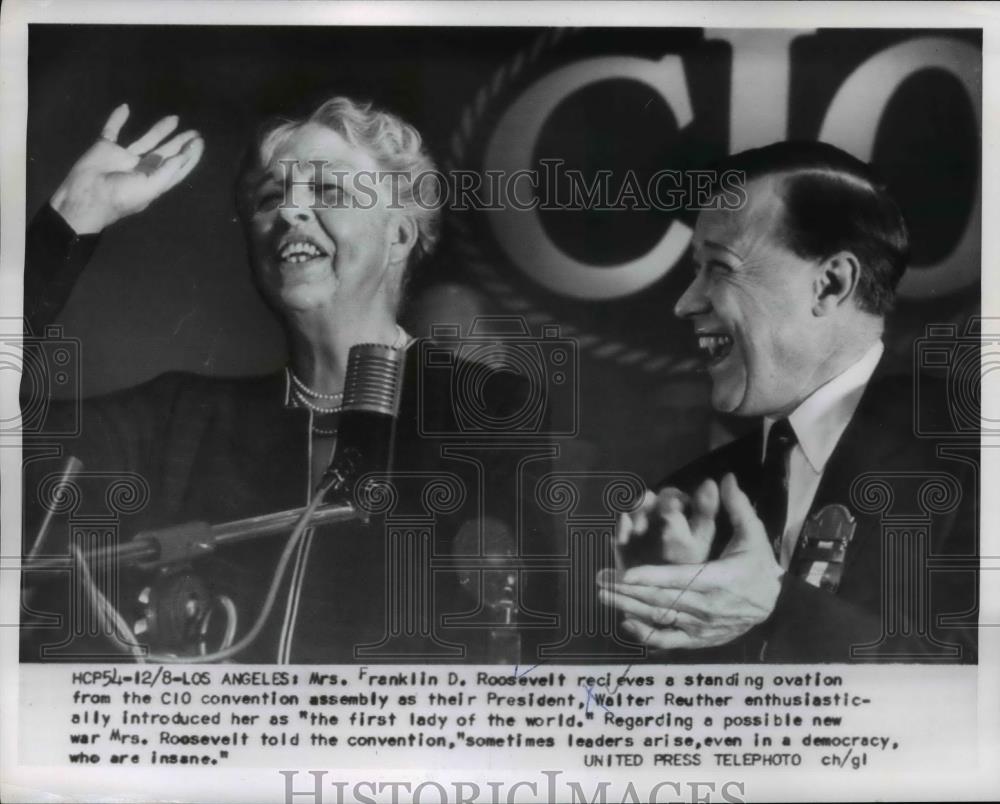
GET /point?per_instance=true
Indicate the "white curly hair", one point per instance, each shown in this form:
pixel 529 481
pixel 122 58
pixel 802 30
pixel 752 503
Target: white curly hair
pixel 396 146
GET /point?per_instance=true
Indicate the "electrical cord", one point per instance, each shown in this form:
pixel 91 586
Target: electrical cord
pixel 298 533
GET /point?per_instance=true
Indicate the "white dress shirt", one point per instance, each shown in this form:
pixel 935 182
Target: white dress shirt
pixel 818 424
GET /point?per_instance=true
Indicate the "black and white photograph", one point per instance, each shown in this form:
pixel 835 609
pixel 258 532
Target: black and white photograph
pixel 470 408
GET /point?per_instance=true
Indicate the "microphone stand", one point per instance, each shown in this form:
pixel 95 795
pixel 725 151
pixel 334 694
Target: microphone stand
pixel 504 642
pixel 152 549
pixel 372 392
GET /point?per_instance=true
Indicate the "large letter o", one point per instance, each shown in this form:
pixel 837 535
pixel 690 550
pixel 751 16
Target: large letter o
pixel 853 119
pixel 521 234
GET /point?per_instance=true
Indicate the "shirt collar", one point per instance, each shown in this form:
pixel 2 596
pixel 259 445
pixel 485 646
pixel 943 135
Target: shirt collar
pixel 821 419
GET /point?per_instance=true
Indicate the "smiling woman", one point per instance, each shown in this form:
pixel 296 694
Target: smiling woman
pixel 332 228
pixel 332 231
pixel 338 187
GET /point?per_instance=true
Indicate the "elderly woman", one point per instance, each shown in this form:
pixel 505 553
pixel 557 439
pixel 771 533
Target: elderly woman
pixel 332 227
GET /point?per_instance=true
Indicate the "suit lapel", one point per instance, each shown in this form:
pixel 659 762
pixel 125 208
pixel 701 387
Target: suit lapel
pixel 874 434
pixel 742 458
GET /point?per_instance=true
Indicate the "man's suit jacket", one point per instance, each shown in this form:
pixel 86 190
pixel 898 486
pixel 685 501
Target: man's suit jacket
pixel 909 587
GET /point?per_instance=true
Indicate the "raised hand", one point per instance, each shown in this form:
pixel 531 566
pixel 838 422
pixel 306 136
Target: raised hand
pixel 701 605
pixel 682 526
pixel 110 181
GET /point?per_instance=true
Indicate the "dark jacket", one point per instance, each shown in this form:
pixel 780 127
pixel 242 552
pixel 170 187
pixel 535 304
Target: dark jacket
pixel 909 586
pixel 219 449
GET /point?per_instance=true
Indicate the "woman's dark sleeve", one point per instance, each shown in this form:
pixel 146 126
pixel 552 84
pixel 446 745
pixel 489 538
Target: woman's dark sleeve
pixel 54 258
pixel 113 436
pixel 111 432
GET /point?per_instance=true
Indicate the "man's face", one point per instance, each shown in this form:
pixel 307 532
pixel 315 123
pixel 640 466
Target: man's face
pixel 751 304
pixel 318 226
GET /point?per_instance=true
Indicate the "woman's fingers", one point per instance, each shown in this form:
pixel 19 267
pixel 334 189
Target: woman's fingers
pixel 175 168
pixel 151 161
pixel 175 144
pixel 160 129
pixel 114 123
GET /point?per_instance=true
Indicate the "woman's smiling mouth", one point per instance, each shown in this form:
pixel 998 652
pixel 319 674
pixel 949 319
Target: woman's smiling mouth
pixel 299 251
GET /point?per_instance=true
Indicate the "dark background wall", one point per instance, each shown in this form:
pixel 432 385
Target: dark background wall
pixel 169 289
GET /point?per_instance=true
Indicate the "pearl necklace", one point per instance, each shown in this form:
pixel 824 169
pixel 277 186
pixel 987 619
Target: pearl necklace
pixel 304 396
pixel 302 388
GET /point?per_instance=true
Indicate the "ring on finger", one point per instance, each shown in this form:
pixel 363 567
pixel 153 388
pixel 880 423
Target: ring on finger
pixel 149 163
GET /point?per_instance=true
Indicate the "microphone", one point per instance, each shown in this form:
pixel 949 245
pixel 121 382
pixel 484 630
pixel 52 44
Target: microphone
pixel 499 583
pixel 373 386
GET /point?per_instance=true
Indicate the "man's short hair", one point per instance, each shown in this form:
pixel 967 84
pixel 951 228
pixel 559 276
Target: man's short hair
pixel 834 202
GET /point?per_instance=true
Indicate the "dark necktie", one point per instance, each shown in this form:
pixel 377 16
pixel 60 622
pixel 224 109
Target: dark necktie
pixel 772 499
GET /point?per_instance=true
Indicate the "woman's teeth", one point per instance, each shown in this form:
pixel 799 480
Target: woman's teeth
pixel 299 251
